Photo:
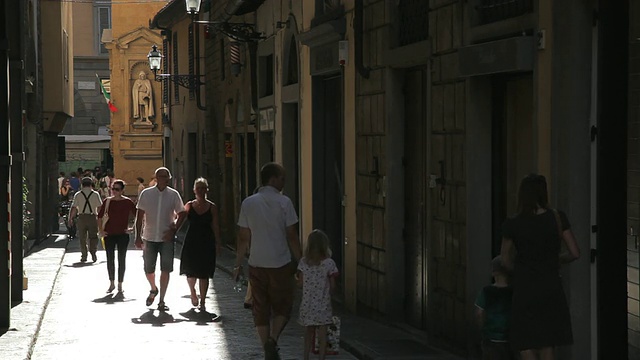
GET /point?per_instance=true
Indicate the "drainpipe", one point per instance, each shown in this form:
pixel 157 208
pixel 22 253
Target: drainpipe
pixel 358 28
pixel 5 161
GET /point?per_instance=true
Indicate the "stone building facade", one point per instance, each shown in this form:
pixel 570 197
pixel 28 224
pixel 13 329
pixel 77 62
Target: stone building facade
pixel 136 142
pixel 406 127
pixel 91 66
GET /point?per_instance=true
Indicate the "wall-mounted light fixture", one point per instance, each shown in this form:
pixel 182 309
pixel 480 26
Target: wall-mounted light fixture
pixel 238 31
pixel 188 81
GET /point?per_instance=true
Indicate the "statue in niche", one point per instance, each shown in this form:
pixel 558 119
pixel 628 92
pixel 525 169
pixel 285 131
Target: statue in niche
pixel 142 98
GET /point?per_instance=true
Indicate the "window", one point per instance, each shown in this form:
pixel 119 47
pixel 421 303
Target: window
pixel 414 23
pixel 495 10
pixel 292 64
pixel 103 21
pixel 265 73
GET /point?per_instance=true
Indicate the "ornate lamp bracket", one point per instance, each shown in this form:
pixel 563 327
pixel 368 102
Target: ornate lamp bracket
pixel 190 82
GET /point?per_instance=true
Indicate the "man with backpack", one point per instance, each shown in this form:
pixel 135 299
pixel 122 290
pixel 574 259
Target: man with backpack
pixel 85 204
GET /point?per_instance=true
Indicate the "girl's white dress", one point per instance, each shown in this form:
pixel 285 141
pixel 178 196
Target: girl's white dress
pixel 315 308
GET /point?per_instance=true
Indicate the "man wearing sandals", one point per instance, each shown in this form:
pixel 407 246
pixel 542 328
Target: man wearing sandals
pixel 160 214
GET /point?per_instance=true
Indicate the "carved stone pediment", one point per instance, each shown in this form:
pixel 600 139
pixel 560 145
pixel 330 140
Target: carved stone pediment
pixel 141 36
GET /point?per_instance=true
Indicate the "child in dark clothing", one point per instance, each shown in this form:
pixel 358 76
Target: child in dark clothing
pixel 493 306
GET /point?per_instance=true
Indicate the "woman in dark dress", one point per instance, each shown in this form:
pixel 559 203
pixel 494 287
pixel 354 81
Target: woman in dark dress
pixel 201 244
pixel 540 317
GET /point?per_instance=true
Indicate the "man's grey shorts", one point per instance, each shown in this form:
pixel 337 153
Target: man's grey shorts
pixel 150 256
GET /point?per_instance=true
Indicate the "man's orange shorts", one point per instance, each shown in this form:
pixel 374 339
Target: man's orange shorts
pixel 272 290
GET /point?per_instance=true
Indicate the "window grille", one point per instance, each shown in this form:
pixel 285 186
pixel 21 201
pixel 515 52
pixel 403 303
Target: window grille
pixel 414 21
pixel 191 63
pixel 174 51
pixel 165 70
pixel 495 10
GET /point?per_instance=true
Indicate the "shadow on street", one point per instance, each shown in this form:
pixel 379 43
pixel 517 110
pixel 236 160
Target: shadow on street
pixel 160 319
pixel 200 317
pixel 80 264
pixel 112 299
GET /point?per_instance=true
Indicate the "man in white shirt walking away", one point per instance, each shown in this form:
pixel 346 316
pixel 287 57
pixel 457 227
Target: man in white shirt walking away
pixel 269 225
pixel 161 211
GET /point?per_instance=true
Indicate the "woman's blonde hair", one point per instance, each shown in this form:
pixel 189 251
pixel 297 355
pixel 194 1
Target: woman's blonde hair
pixel 317 248
pixel 201 181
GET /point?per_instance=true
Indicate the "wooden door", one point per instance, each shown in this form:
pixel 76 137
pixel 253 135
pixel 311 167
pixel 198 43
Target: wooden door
pixel 415 175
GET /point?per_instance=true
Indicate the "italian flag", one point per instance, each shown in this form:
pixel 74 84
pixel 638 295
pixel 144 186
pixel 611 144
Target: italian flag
pixel 107 96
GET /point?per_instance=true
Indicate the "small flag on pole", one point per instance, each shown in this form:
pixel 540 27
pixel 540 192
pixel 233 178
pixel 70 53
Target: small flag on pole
pixel 107 96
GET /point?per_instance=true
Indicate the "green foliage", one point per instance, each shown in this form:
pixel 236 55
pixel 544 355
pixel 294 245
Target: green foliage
pixel 27 219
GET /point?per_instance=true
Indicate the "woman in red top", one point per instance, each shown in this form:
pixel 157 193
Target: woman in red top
pixel 116 230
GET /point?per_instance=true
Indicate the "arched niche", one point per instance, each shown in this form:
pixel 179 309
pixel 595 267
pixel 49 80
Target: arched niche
pixel 290 56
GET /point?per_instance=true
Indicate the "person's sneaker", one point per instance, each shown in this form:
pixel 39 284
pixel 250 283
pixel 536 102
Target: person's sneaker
pixel 271 350
pixel 83 259
pixel 94 257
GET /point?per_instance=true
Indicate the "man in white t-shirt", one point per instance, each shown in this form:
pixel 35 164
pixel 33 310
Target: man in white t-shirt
pixel 162 211
pixel 60 182
pixel 269 225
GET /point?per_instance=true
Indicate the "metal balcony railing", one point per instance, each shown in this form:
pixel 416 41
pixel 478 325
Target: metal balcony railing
pixel 414 21
pixel 495 10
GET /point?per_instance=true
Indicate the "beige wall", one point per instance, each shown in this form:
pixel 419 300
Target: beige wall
pixel 57 29
pixel 128 16
pixel 136 148
pixel 84 37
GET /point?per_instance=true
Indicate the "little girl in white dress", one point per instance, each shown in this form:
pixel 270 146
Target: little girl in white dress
pixel 316 273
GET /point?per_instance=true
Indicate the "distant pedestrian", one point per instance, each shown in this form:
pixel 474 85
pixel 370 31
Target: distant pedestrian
pixel 65 190
pixel 85 204
pixel 140 186
pixel 493 308
pixel 119 210
pixel 161 210
pixel 268 222
pixel 540 318
pixel 61 180
pixel 103 190
pixel 201 244
pixel 153 181
pixel 108 179
pixel 74 181
pixel 317 274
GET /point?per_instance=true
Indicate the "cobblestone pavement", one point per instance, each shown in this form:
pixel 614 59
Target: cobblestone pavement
pixel 82 321
pixel 66 314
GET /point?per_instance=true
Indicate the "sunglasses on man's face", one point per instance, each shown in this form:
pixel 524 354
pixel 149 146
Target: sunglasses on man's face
pixel 116 189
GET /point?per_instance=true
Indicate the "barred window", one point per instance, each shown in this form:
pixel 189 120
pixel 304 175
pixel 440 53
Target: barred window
pixel 414 21
pixel 495 10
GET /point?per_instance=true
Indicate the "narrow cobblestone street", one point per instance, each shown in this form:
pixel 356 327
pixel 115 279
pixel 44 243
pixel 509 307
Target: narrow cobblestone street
pixel 67 314
pixel 82 321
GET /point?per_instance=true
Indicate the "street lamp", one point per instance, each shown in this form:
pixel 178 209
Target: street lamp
pixel 190 81
pixel 155 59
pixel 193 6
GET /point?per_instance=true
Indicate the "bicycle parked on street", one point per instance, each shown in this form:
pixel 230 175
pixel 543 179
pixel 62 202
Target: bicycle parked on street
pixel 64 208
